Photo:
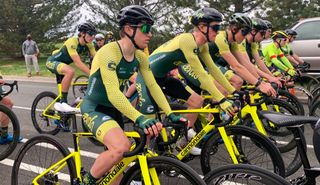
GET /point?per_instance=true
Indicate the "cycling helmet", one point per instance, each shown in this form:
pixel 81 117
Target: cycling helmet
pixel 134 14
pixel 109 33
pixel 87 27
pixel 99 36
pixel 291 32
pixel 206 15
pixel 259 24
pixel 241 20
pixel 268 23
pixel 279 34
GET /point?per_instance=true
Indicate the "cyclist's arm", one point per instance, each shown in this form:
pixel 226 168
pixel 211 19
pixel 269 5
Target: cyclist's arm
pixel 239 69
pixel 215 71
pixel 286 62
pixel 292 60
pixel 71 46
pixel 271 55
pixel 204 78
pixel 297 58
pixel 151 83
pixel 260 63
pixel 107 67
pixel 92 50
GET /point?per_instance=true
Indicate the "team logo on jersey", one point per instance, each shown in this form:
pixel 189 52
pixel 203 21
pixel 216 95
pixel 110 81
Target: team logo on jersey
pixel 73 46
pixel 112 66
pixel 196 51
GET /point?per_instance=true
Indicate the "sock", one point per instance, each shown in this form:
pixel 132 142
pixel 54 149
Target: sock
pixel 88 179
pixel 4 132
pixel 64 97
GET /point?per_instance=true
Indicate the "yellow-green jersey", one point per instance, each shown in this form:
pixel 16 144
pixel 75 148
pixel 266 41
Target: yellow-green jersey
pixel 274 57
pixel 108 75
pixel 70 48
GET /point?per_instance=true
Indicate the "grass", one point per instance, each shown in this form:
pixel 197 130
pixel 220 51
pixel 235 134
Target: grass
pixel 17 67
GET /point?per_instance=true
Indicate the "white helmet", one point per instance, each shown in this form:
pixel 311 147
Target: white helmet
pixel 99 36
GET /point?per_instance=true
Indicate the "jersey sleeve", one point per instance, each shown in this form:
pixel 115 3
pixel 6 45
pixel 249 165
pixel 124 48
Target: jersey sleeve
pixel 272 56
pixel 239 47
pixel 71 45
pixel 92 50
pixel 151 83
pixel 191 52
pixel 108 60
pixel 222 43
pixel 255 47
pixel 214 70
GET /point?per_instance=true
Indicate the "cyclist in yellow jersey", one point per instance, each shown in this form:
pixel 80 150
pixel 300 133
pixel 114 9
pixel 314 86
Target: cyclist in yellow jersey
pixel 104 102
pixel 71 51
pixel 187 48
pixel 274 57
pixel 231 57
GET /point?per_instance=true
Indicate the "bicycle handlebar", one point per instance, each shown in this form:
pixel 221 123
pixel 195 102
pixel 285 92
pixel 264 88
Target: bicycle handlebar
pixel 140 146
pixel 11 85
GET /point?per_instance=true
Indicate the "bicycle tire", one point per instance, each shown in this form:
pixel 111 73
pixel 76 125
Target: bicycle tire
pixel 13 128
pixel 243 173
pixel 315 111
pixel 166 167
pixel 33 149
pixel 292 100
pixel 44 124
pixel 316 142
pixel 256 139
pixel 78 91
pixel 314 100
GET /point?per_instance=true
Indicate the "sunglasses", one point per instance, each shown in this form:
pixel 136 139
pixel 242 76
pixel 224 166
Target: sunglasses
pixel 245 31
pixel 91 33
pixel 99 39
pixel 215 28
pixel 145 28
pixel 284 39
pixel 263 32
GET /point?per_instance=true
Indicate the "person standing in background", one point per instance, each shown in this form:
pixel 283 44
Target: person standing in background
pixel 30 52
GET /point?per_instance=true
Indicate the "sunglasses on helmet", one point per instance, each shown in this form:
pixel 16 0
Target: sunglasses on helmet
pixel 215 28
pixel 145 28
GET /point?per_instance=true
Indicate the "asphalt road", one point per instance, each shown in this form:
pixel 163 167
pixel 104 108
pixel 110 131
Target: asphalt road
pixel 23 100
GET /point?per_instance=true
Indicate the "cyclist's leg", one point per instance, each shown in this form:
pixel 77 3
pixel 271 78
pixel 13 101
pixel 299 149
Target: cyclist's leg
pixel 105 128
pixel 4 119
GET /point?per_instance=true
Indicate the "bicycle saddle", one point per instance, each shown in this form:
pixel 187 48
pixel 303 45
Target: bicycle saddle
pixel 283 120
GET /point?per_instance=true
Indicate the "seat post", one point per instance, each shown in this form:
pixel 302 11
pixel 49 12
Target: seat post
pixel 301 146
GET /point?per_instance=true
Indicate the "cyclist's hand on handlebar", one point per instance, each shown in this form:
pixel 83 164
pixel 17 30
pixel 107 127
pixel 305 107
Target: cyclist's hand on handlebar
pixel 2 81
pixel 291 72
pixel 276 80
pixel 267 89
pixel 228 106
pixel 150 126
pixel 176 118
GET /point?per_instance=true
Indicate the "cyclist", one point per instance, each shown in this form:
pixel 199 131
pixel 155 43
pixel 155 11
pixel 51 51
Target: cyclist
pixel 274 57
pixel 99 41
pixel 109 36
pixel 104 101
pixel 5 137
pixel 70 52
pixel 291 56
pixel 187 48
pixel 229 57
pixel 269 30
pixel 252 47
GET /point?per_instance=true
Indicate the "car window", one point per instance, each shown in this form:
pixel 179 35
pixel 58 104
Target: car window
pixel 308 30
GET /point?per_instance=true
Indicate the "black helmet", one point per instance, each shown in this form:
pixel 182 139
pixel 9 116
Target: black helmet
pixel 241 20
pixel 134 14
pixel 279 34
pixel 268 23
pixel 291 32
pixel 259 24
pixel 206 15
pixel 87 27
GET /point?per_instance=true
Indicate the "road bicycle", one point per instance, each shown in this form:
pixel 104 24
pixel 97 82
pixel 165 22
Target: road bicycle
pixel 8 116
pixel 236 143
pixel 294 123
pixel 79 86
pixel 55 164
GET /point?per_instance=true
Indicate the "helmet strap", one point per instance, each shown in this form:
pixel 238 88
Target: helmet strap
pixel 205 34
pixel 234 35
pixel 278 43
pixel 132 38
pixel 253 36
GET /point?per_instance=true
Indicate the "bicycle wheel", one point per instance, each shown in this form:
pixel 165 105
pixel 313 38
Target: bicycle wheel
pixel 315 111
pixel 79 90
pixel 243 174
pixel 10 120
pixel 292 100
pixel 45 124
pixel 254 148
pixel 37 155
pixel 169 170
